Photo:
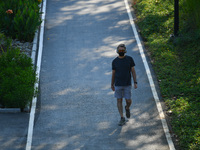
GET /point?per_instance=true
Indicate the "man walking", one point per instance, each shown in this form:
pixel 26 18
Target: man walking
pixel 122 68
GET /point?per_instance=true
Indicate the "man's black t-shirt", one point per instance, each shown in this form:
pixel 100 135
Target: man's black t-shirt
pixel 122 67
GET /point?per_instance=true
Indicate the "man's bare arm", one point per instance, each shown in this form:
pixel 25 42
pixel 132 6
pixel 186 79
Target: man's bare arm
pixel 113 80
pixel 134 77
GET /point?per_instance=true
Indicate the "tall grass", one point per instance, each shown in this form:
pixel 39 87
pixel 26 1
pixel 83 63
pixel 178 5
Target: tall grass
pixel 191 12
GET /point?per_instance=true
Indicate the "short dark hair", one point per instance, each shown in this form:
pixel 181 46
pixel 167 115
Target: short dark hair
pixel 121 45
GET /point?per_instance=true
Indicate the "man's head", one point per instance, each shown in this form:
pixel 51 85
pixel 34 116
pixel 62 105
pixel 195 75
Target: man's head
pixel 121 49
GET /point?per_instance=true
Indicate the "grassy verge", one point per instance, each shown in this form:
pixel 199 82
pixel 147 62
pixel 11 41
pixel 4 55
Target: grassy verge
pixel 176 63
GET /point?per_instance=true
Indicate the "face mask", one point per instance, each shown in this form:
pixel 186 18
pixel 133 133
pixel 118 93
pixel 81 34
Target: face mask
pixel 121 54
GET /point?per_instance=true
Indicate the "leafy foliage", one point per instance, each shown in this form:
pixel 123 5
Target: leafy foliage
pixel 19 18
pixel 176 62
pixel 191 12
pixel 17 78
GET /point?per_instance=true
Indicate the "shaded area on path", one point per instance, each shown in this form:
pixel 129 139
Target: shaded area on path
pixel 13 130
pixel 77 108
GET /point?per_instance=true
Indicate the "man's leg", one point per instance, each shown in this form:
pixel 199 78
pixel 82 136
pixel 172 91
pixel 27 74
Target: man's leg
pixel 127 95
pixel 120 106
pixel 119 96
pixel 128 103
pixel 127 107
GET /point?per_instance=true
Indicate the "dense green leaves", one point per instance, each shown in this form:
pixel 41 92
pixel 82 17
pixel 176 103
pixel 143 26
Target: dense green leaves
pixel 23 21
pixel 17 78
pixel 192 12
pixel 176 62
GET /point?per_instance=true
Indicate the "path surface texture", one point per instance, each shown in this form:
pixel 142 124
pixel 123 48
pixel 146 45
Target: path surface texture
pixel 13 130
pixel 76 108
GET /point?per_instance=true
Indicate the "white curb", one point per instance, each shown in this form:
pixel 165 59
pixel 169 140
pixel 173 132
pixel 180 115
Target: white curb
pixel 38 67
pixel 152 85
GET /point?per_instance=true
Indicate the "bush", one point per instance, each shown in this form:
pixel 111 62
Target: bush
pixel 17 78
pixel 190 12
pixel 5 43
pixel 19 18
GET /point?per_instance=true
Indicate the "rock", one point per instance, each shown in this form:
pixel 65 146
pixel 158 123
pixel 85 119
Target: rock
pixel 169 112
pixel 25 47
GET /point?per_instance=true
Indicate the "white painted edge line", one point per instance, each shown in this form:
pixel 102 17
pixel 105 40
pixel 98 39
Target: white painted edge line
pixel 34 48
pixel 38 67
pixel 152 85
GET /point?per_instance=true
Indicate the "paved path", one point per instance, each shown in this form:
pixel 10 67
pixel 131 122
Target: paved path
pixel 76 108
pixel 13 131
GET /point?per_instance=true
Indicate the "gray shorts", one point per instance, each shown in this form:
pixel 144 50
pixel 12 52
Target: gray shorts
pixel 123 92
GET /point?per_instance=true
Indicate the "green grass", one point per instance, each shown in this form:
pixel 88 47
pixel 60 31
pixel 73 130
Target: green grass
pixel 176 62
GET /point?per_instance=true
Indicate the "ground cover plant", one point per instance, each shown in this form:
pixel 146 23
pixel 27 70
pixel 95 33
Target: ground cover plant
pixel 17 76
pixel 175 61
pixel 19 19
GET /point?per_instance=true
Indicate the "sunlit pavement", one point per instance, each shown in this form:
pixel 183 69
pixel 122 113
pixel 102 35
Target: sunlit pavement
pixel 76 107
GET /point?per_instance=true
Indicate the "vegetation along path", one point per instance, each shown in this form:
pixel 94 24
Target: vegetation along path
pixel 176 62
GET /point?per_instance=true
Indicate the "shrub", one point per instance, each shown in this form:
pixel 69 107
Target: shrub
pixel 191 13
pixel 5 43
pixel 19 18
pixel 17 78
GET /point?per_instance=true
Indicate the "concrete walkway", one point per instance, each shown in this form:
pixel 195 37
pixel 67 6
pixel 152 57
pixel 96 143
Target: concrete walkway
pixel 13 130
pixel 76 109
